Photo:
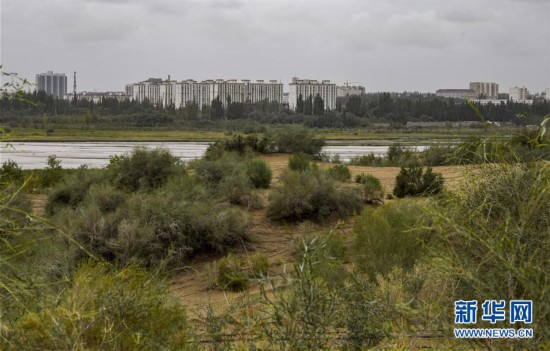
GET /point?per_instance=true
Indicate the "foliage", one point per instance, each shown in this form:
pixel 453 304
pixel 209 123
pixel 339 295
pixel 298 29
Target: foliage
pixel 311 194
pixel 259 173
pixel 53 173
pixel 258 265
pixel 216 109
pixel 106 309
pixel 142 169
pixel 11 172
pixel 318 106
pixel 372 187
pixel 299 162
pixel 72 190
pixel 413 181
pixel 158 227
pixel 340 173
pixel 230 273
pixel 293 139
pixel 389 236
pixel 493 234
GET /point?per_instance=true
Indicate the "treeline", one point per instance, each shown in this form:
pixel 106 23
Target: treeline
pixel 40 110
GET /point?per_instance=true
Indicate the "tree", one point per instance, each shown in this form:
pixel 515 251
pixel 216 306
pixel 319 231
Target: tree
pixel 191 111
pixel 235 110
pixel 300 104
pixel 308 106
pixel 318 106
pixel 216 110
pixel 354 105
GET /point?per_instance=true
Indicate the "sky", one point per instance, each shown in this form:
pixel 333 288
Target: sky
pixel 384 45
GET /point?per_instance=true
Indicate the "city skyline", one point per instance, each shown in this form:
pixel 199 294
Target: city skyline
pixel 384 46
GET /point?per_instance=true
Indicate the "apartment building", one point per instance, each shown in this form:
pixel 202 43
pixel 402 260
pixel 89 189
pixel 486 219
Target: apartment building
pixel 488 90
pixel 54 84
pixel 309 87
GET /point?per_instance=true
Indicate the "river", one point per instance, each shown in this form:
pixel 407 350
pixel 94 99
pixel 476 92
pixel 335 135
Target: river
pixel 33 155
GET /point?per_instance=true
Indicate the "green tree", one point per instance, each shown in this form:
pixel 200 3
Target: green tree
pixel 191 111
pixel 308 106
pixel 300 104
pixel 216 109
pixel 318 105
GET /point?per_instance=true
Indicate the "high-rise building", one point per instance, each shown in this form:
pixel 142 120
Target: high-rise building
pixel 456 93
pixel 349 90
pixel 547 94
pixel 178 94
pixel 308 87
pixel 54 84
pixel 487 90
pixel 519 93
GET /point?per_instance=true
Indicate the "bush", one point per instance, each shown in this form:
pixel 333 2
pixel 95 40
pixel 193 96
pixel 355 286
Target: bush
pixel 299 162
pixel 311 194
pixel 293 139
pixel 385 237
pixel 437 155
pixel 52 174
pixel 159 227
pixel 498 222
pixel 230 274
pixel 128 309
pixel 72 191
pixel 258 265
pixel 413 181
pixel 372 187
pixel 259 173
pixel 11 172
pixel 142 169
pixel 340 173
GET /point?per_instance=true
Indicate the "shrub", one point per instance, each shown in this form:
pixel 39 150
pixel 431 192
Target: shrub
pixel 142 169
pixel 293 139
pixel 498 222
pixel 104 308
pixel 53 173
pixel 372 187
pixel 340 173
pixel 436 155
pixel 230 274
pixel 157 227
pixel 299 162
pixel 258 265
pixel 367 160
pixel 72 191
pixel 413 181
pixel 259 173
pixel 385 237
pixel 311 194
pixel 11 172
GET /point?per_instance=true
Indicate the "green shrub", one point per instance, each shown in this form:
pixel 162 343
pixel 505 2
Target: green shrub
pixel 367 160
pixel 372 187
pixel 72 191
pixel 259 173
pixel 230 273
pixel 258 265
pixel 340 173
pixel 413 181
pixel 493 239
pixel 143 169
pixel 157 227
pixel 385 237
pixel 52 174
pixel 105 197
pixel 311 194
pixel 11 172
pixel 293 139
pixel 104 308
pixel 299 162
pixel 437 155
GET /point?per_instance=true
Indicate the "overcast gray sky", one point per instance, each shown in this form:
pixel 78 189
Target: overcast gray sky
pixel 391 45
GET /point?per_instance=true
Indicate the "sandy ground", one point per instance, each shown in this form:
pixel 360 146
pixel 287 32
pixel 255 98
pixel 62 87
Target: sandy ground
pixel 195 285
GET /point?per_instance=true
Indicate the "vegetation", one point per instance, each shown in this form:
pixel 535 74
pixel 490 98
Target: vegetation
pixel 414 181
pixel 90 275
pixel 311 194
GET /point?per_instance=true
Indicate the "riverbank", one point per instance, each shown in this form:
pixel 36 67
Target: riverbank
pixel 357 136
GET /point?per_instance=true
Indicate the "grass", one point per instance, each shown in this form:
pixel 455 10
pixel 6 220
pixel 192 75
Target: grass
pixel 363 136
